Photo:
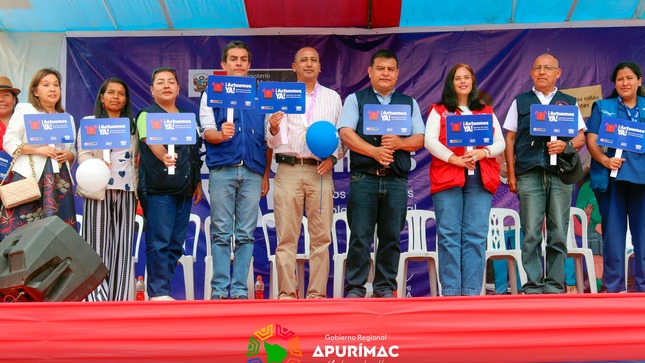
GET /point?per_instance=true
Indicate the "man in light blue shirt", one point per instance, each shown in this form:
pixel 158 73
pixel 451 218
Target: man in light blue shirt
pixel 379 178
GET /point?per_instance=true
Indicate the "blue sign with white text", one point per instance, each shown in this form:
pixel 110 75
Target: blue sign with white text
pixel 171 129
pixel 5 162
pixel 387 120
pixel 469 130
pixel 288 97
pixel 105 133
pixel 622 134
pixel 554 120
pixel 49 128
pixel 231 92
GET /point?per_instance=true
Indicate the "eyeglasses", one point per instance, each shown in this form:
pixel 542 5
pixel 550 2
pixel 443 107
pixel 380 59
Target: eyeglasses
pixel 546 68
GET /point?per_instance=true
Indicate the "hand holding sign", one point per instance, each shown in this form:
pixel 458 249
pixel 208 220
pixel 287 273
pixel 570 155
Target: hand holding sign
pixel 554 121
pixel 171 129
pixel 622 135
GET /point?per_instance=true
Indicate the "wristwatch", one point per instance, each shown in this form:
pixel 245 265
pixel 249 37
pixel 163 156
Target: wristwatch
pixel 334 159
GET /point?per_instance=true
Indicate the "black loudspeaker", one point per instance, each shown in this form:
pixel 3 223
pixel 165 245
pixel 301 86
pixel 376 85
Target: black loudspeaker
pixel 47 260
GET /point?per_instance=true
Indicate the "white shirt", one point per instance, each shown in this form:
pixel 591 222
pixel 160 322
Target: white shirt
pixel 327 106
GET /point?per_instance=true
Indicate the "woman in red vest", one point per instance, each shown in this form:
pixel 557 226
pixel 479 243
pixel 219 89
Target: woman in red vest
pixel 462 184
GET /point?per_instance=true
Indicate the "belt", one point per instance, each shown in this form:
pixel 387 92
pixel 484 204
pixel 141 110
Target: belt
pixel 239 164
pixel 292 160
pixel 382 172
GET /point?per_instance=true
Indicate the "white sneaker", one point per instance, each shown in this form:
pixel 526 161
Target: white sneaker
pixel 162 298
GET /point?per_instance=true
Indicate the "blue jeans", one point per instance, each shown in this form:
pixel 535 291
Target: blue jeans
pixel 167 218
pixel 235 193
pixel 621 200
pixel 542 194
pixel 462 226
pixel 372 201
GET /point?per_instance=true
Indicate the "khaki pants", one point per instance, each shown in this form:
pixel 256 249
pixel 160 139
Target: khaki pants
pixel 297 188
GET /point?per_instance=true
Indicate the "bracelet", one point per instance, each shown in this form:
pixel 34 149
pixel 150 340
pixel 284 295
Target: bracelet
pixel 487 152
pixel 334 159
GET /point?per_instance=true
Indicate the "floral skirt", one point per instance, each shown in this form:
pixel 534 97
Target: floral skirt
pixel 57 200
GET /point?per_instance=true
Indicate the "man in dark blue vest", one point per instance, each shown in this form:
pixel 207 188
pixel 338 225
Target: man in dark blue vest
pixel 539 189
pixel 379 180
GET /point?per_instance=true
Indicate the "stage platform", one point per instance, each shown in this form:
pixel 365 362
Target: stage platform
pixel 545 328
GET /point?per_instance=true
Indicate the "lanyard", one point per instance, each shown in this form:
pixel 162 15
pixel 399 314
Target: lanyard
pixel 309 113
pixel 629 114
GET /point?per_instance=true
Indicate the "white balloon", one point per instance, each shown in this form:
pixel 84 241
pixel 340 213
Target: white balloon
pixel 92 175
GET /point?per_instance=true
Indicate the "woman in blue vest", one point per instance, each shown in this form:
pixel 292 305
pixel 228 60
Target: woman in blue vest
pixel 462 201
pixel 620 198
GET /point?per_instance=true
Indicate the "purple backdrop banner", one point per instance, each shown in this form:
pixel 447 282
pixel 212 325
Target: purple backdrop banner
pixel 501 60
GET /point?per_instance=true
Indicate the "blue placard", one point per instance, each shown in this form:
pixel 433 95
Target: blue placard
pixel 105 133
pixel 622 134
pixel 387 120
pixel 5 161
pixel 49 128
pixel 469 130
pixel 231 92
pixel 288 97
pixel 171 129
pixel 554 120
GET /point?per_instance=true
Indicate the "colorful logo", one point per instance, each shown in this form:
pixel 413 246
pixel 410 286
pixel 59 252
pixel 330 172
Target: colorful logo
pixel 91 130
pixel 34 125
pixel 610 128
pixel 218 87
pixel 200 81
pixel 156 124
pixel 274 344
pixel 267 94
pixel 540 115
pixel 373 115
pixel 455 126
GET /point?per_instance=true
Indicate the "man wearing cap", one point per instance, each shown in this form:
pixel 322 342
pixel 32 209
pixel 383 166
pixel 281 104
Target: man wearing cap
pixel 8 102
pixel 541 192
pixel 303 181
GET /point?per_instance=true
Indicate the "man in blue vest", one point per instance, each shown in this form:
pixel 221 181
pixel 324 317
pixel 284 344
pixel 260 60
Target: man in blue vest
pixel 236 156
pixel 539 189
pixel 379 180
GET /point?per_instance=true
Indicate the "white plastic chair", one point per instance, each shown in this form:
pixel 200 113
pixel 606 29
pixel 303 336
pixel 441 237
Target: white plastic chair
pixel 208 261
pixel 340 258
pixel 496 245
pixel 268 223
pixel 418 251
pixel 629 252
pixel 187 261
pixel 138 225
pixel 578 253
pixel 79 223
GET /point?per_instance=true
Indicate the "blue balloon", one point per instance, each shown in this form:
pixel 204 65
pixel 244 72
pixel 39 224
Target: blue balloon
pixel 322 139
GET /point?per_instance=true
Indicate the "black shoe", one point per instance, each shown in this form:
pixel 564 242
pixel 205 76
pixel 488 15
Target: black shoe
pixel 240 297
pixel 387 294
pixel 219 297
